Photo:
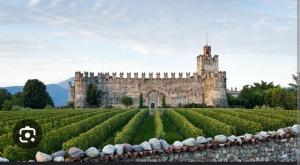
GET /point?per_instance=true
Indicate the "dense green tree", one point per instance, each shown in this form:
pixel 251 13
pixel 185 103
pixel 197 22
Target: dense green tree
pixel 93 96
pixel 164 101
pixel 141 101
pixel 17 99
pixel 254 95
pixel 233 101
pixel 281 97
pixel 4 95
pixel 127 101
pixel 35 95
pixel 7 105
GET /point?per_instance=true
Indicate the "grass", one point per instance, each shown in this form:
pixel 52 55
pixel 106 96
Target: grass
pixel 147 130
pixel 171 133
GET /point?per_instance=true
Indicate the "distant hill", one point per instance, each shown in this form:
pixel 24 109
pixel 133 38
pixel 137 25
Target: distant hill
pixel 58 92
pixel 65 83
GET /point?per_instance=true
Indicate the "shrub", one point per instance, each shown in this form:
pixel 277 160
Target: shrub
pixel 159 129
pixel 127 134
pixel 210 126
pixel 241 125
pixel 186 128
pixel 97 135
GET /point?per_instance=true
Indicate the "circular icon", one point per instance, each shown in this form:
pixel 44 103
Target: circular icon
pixel 27 134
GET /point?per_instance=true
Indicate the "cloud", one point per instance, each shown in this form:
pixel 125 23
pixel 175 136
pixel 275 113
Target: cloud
pixel 33 3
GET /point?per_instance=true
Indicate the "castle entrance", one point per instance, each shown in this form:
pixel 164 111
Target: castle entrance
pixel 152 106
pixel 154 99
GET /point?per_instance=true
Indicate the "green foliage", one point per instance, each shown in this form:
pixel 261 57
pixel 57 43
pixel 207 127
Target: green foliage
pixel 210 126
pixel 54 139
pixel 146 131
pixel 35 95
pixel 7 106
pixel 18 99
pixel 240 125
pixel 93 96
pixel 141 101
pixel 4 95
pixel 171 132
pixel 281 97
pixel 164 102
pixel 127 101
pixel 159 128
pixel 186 128
pixel 267 123
pixel 97 135
pixel 127 134
pixel 15 153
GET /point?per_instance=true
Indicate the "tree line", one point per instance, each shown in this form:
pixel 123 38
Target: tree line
pixel 34 95
pixel 266 94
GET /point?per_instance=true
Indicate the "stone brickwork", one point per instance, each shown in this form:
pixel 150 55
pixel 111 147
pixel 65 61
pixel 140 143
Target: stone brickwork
pixel 206 86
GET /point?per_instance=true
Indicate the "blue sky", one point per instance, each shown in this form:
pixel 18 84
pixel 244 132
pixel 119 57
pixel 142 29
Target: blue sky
pixel 50 40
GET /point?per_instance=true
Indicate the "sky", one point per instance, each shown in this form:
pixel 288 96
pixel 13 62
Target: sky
pixel 50 40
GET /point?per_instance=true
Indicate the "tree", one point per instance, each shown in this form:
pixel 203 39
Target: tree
pixel 35 95
pixel 127 101
pixel 93 96
pixel 7 106
pixel 294 86
pixel 281 97
pixel 141 101
pixel 254 95
pixel 4 95
pixel 17 99
pixel 164 101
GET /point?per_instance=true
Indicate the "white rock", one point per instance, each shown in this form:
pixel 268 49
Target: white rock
pixel 280 132
pixel 155 144
pixel 201 140
pixel 59 159
pixel 164 144
pixel 42 157
pixel 239 140
pixel 109 149
pixel 189 142
pixel 220 138
pixel 119 149
pixel 146 146
pixel 2 160
pixel 92 152
pixel 58 153
pixel 232 138
pixel 261 135
pixel 177 144
pixel 296 128
pixel 248 137
pixel 209 139
pixel 271 133
pixel 75 152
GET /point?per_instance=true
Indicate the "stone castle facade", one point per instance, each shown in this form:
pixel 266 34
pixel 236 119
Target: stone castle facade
pixel 206 86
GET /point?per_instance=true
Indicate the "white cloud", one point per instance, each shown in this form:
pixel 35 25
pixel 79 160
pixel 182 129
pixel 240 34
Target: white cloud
pixel 33 3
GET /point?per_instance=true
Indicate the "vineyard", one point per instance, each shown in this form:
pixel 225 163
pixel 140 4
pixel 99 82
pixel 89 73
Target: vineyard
pixel 84 128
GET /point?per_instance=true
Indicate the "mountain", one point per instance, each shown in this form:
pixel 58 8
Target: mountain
pixel 58 92
pixel 65 83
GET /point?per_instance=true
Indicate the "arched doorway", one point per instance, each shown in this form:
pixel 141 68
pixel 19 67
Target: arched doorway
pixel 154 99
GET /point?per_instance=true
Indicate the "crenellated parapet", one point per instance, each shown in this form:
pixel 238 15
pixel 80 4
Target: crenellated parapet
pixel 136 75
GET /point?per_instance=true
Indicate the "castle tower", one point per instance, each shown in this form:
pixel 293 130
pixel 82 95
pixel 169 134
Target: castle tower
pixel 206 63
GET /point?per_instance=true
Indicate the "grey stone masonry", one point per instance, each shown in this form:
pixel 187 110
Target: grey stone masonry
pixel 206 86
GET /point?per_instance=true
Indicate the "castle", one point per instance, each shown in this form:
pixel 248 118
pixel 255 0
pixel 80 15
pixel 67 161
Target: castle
pixel 206 86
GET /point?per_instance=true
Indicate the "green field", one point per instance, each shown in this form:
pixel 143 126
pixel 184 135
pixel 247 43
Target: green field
pixel 85 128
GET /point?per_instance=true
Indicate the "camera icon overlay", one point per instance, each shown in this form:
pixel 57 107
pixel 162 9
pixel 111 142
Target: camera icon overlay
pixel 27 134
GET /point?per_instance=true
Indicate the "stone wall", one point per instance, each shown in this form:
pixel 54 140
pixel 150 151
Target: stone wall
pixel 208 88
pixel 275 150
